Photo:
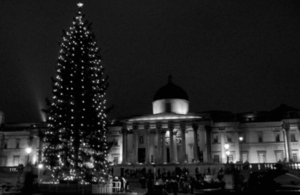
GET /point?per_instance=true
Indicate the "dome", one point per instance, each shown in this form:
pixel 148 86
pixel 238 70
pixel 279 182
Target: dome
pixel 170 91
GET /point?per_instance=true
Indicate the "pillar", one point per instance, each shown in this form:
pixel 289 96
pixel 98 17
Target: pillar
pixel 287 140
pixel 135 144
pixel 124 136
pixel 171 134
pixel 183 144
pixel 208 143
pixel 237 146
pixel 158 154
pixel 163 150
pixel 196 153
pixel 147 130
pixel 175 147
pixel 224 157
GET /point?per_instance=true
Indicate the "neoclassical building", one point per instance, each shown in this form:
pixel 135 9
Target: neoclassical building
pixel 172 135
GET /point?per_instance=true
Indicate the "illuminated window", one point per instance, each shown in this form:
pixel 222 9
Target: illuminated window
pixel 230 158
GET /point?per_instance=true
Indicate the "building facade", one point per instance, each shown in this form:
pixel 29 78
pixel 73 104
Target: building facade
pixel 172 135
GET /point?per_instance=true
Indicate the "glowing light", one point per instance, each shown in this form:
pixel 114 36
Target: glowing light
pixel 28 150
pixel 226 146
pixel 79 4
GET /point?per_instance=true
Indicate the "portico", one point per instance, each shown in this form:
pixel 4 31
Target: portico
pixel 161 139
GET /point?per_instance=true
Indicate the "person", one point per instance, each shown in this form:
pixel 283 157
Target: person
pixel 123 184
pixel 174 186
pixel 28 181
pixel 150 186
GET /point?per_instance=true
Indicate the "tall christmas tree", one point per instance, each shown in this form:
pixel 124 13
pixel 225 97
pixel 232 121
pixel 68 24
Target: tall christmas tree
pixel 76 143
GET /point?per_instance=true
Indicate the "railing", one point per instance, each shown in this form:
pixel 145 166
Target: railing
pixel 263 166
pixel 9 169
pixel 106 188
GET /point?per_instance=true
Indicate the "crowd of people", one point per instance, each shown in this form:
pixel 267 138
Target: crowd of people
pixel 174 181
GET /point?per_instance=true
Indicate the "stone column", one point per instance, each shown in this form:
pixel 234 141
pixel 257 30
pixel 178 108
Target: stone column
pixel 238 156
pixel 147 130
pixel 224 157
pixel 124 136
pixel 183 143
pixel 196 155
pixel 171 134
pixel 158 154
pixel 163 151
pixel 135 143
pixel 286 129
pixel 175 148
pixel 208 143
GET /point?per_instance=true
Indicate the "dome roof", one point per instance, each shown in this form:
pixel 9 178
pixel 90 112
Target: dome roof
pixel 170 91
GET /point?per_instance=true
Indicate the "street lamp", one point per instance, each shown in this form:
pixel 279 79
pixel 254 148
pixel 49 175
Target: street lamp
pixel 154 174
pixel 28 151
pixel 40 166
pixel 226 146
pixel 241 140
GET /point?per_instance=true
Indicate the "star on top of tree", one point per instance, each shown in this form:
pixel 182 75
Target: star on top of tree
pixel 79 4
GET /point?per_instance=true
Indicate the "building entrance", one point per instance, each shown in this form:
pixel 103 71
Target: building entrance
pixel 141 155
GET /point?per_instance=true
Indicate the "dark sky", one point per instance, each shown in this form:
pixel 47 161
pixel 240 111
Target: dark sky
pixel 237 56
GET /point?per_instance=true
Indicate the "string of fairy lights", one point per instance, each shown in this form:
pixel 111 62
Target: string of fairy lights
pixel 76 142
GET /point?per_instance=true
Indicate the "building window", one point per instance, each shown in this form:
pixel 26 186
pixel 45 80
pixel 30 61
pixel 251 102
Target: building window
pixel 141 139
pixel 115 142
pixel 216 158
pixel 16 160
pixel 245 157
pixel 293 138
pixel 116 160
pixel 3 160
pixel 260 138
pixel 5 144
pixel 229 139
pixel 230 158
pixel 277 138
pixel 168 107
pixel 261 156
pixel 279 155
pixel 17 143
pixel 215 139
pixel 295 157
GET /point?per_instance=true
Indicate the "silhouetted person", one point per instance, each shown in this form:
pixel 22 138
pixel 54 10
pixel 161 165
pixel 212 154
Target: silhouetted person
pixel 28 182
pixel 150 186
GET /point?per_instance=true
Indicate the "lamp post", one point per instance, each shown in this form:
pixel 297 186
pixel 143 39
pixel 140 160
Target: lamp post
pixel 40 166
pixel 241 140
pixel 28 151
pixel 154 173
pixel 226 146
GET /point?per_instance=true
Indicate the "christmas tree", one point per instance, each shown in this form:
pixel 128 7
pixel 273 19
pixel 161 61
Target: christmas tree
pixel 76 143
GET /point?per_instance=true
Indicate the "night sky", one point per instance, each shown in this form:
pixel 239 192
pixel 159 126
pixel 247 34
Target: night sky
pixel 228 55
